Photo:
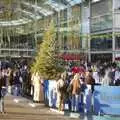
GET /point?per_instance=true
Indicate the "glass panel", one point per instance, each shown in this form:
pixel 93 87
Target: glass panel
pixel 101 57
pixel 117 20
pixel 16 53
pixel 73 2
pixel 117 42
pixel 38 9
pixel 103 42
pixel 102 7
pixel 100 23
pixel 56 5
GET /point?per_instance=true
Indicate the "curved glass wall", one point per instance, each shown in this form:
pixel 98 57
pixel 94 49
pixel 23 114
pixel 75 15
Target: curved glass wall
pixel 23 22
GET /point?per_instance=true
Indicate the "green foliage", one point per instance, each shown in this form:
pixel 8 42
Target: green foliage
pixel 47 62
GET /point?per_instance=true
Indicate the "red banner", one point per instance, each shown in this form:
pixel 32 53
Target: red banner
pixel 72 56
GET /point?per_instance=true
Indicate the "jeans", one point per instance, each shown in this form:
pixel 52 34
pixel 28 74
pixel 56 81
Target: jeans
pixel 2 104
pixel 75 103
pixel 17 90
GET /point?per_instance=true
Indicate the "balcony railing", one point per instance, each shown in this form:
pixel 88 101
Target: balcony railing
pixel 100 23
pixel 17 52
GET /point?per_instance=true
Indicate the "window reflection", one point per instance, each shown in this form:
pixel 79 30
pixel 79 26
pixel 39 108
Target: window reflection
pixel 22 41
pixel 103 42
pixel 117 42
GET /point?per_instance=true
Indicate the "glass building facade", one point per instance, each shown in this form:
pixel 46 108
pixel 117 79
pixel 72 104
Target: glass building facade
pixel 105 25
pixel 85 28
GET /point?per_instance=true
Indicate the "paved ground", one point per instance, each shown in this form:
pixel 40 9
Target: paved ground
pixel 23 109
pixel 18 108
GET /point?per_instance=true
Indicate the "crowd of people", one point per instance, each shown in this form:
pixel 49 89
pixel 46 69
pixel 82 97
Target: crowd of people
pixel 71 84
pixel 14 79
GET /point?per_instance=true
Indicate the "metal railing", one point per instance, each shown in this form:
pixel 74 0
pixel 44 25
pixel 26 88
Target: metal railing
pixel 102 22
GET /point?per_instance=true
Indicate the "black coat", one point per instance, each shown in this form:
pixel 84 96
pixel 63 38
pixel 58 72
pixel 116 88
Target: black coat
pixel 2 83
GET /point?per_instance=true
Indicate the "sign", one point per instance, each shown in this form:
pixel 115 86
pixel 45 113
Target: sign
pixel 72 56
pixel 107 100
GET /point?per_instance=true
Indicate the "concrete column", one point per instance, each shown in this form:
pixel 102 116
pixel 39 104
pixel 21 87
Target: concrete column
pixel 85 28
pixel 89 53
pixel 113 32
pixel 89 37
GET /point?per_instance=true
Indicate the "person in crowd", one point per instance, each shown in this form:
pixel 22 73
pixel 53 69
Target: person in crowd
pixel 10 80
pixel 89 80
pixel 101 72
pixel 69 89
pixel 61 91
pixel 32 85
pixel 2 91
pixel 117 77
pixel 96 76
pixel 107 79
pixel 16 83
pixel 28 82
pixel 24 76
pixel 76 86
pixel 82 82
pixel 36 83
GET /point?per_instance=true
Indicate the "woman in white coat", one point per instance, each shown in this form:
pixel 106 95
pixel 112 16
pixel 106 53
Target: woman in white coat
pixel 36 83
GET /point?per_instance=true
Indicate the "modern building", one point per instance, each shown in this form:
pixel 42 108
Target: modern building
pixel 87 29
pixel 104 22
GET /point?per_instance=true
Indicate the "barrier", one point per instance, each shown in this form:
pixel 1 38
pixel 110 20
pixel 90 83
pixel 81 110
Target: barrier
pixel 45 90
pixel 105 118
pixel 50 97
pixel 52 94
pixel 88 99
pixel 107 100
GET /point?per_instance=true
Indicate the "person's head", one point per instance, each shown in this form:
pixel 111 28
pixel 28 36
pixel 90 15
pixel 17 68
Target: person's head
pixel 63 76
pixel 77 76
pixel 90 72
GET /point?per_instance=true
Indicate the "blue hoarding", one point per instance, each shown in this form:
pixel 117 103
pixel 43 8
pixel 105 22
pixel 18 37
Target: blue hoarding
pixel 50 97
pixel 105 118
pixel 107 100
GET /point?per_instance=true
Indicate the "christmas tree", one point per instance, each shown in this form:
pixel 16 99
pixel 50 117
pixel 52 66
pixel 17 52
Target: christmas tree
pixel 47 63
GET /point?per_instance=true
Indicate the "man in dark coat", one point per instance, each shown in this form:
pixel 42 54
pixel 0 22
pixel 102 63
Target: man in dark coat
pixel 2 91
